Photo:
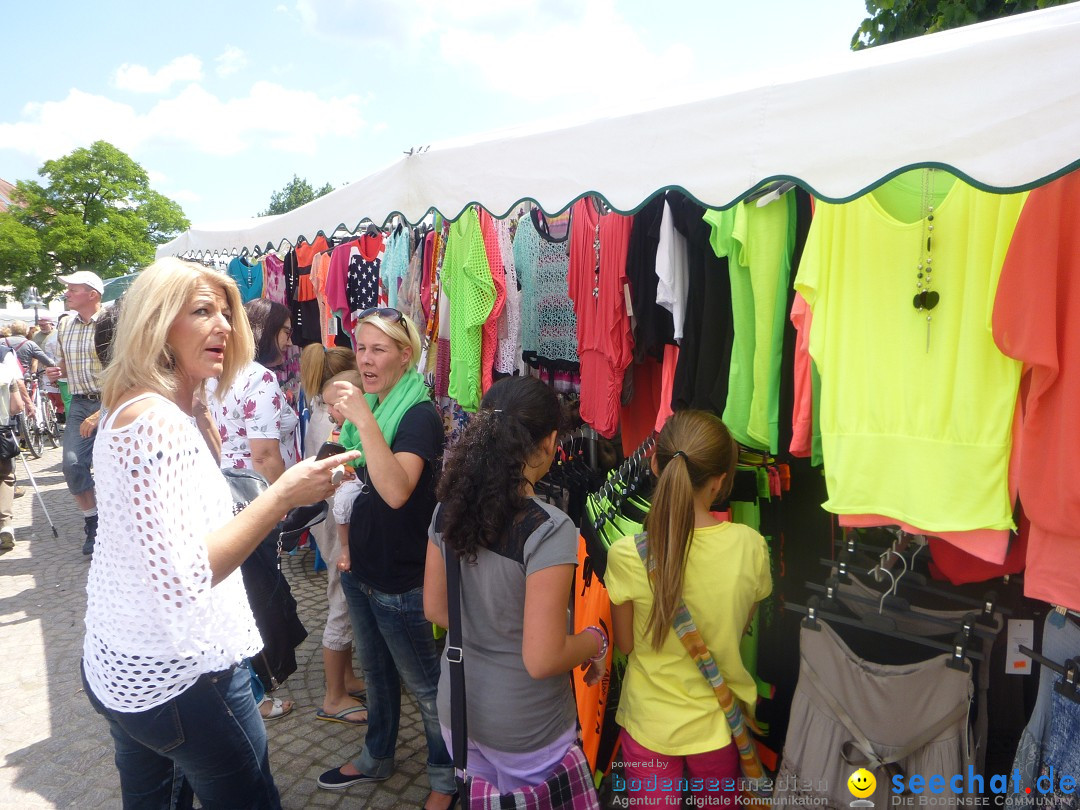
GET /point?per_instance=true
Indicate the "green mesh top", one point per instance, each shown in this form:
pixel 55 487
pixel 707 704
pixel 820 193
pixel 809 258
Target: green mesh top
pixel 467 283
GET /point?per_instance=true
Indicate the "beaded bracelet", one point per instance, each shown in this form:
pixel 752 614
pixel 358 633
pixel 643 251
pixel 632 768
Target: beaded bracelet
pixel 603 639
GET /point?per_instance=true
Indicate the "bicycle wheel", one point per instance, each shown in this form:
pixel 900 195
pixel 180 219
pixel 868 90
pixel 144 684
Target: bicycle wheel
pixel 50 428
pixel 30 434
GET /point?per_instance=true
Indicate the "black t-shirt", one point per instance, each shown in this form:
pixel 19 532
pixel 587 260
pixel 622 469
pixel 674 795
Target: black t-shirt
pixel 701 375
pixel 654 327
pixel 388 546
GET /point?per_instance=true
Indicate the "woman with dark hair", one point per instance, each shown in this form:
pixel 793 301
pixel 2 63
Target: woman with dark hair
pixel 269 321
pixel 257 425
pixel 518 556
pixel 258 432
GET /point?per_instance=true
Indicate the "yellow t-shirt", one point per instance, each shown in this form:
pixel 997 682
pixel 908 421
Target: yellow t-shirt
pixel 666 703
pixel 921 435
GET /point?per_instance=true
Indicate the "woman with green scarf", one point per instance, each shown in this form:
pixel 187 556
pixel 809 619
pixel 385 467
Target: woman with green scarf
pixel 397 428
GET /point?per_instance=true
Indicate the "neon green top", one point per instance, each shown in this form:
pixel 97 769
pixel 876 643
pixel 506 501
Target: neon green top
pixel 466 280
pixel 666 704
pixel 915 431
pixel 758 243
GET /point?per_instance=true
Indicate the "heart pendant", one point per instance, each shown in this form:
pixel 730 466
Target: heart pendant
pixel 930 299
pixel 917 301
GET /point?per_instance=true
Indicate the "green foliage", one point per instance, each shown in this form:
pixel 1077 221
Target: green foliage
pixel 894 20
pixel 297 192
pixel 93 210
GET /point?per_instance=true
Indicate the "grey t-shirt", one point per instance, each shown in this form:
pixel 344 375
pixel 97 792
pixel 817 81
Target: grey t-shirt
pixel 508 709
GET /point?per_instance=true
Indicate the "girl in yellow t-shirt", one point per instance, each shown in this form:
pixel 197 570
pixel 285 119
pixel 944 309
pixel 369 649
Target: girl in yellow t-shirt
pixel 674 733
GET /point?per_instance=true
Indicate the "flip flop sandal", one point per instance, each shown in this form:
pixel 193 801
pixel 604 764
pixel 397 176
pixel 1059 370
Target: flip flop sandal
pixel 277 708
pixel 343 716
pixel 360 694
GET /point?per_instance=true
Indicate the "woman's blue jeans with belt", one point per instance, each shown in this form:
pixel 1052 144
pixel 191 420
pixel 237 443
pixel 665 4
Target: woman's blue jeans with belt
pixel 209 740
pixel 396 644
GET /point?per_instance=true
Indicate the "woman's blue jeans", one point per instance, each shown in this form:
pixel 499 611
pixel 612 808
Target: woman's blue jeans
pixel 209 740
pixel 396 645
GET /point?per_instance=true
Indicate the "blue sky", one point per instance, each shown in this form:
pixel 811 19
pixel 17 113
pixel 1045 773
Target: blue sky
pixel 223 101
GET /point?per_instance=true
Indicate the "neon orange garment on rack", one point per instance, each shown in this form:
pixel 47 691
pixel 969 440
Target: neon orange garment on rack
pixel 591 607
pixel 1036 320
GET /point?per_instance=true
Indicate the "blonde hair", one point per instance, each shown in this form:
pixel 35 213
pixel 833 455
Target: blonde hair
pixel 19 328
pixel 402 335
pixel 141 355
pixel 319 363
pixel 693 447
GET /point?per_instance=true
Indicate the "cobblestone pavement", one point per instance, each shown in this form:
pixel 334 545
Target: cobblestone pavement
pixel 57 751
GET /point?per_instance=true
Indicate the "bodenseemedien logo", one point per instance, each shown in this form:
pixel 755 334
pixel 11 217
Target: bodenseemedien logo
pixel 861 784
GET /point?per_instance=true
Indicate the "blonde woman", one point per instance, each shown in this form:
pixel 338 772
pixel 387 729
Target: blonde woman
pixel 392 420
pixel 669 712
pixel 319 368
pixel 167 618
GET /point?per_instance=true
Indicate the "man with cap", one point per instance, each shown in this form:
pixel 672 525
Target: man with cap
pixel 45 328
pixel 80 365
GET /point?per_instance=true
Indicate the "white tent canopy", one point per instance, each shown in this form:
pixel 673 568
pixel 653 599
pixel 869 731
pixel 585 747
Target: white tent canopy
pixel 997 103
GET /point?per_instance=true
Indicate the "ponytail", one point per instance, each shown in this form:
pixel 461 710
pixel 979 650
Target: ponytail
pixel 693 447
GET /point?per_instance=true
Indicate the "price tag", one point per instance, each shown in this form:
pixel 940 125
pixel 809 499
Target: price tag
pixel 1021 631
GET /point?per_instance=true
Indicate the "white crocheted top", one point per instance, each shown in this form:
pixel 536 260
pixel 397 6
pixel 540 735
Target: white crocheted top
pixel 153 622
pixel 508 359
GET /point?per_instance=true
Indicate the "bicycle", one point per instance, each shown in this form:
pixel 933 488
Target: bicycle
pixel 44 425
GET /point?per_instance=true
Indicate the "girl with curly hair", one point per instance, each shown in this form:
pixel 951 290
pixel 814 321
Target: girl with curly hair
pixel 518 556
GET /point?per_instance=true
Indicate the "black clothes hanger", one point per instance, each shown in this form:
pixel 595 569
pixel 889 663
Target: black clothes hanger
pixel 777 187
pixel 816 611
pixel 853 560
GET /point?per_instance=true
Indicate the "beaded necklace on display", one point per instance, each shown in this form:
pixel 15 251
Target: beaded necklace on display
pixel 596 252
pixel 925 298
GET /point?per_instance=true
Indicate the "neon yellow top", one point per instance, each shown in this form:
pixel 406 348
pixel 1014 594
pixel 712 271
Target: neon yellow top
pixel 913 430
pixel 758 243
pixel 666 703
pixel 466 280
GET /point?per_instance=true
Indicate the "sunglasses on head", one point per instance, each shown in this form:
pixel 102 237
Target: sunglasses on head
pixel 386 313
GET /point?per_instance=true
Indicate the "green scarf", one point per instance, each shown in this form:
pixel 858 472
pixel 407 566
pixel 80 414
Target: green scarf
pixel 408 391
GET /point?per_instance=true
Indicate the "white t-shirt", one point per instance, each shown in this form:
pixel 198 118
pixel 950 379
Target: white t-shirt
pixel 673 271
pixel 154 624
pixel 9 373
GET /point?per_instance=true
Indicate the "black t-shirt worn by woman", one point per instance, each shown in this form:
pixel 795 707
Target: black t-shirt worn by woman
pixel 388 546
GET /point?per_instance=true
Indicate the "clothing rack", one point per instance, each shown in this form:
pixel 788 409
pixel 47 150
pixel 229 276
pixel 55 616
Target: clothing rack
pixel 632 464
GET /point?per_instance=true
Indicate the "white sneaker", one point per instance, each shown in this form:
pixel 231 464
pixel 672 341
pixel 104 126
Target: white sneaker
pixel 7 540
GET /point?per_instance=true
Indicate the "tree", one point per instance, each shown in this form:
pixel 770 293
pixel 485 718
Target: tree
pixel 894 20
pixel 93 210
pixel 297 192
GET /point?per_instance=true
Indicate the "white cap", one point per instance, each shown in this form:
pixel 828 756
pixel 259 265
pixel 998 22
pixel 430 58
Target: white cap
pixel 91 280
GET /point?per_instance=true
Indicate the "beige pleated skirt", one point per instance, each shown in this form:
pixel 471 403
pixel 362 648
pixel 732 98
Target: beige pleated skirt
pixel 892 705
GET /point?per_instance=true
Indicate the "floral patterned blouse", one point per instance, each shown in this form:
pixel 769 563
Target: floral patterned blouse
pixel 253 408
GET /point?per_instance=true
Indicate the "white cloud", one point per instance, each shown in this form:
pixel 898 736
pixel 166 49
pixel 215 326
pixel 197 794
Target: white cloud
pixel 526 49
pixel 194 118
pixel 231 61
pixel 156 178
pixel 139 79
pixel 53 128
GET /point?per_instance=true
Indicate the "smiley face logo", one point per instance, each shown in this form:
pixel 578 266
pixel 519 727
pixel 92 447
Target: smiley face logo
pixel 861 783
